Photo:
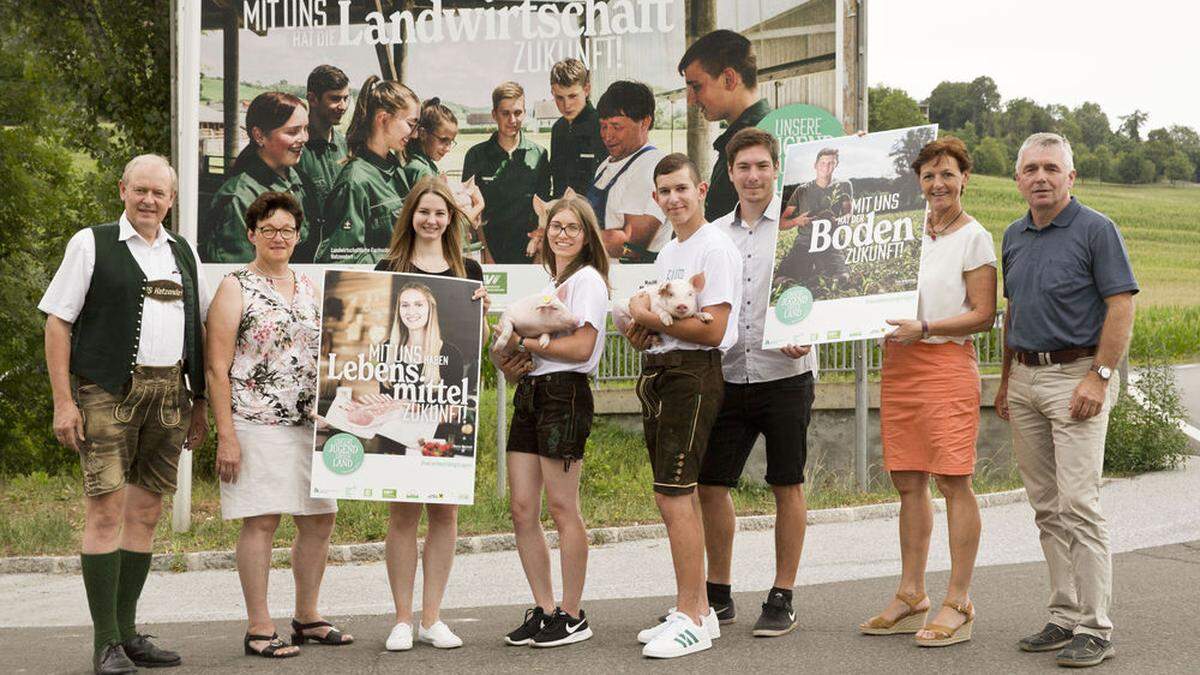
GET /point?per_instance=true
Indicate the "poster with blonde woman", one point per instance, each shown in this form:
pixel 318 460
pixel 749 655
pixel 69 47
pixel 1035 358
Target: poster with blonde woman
pixel 398 388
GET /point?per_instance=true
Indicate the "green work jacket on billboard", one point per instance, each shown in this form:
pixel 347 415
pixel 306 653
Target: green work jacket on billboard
pixel 362 209
pixel 418 165
pixel 721 196
pixel 224 240
pixel 508 183
pixel 318 168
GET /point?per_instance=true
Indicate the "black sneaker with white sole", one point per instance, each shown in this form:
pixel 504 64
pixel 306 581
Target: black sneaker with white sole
pixel 562 629
pixel 777 618
pixel 726 613
pixel 535 620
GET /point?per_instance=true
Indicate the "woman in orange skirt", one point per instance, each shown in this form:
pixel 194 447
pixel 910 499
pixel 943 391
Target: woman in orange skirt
pixel 930 401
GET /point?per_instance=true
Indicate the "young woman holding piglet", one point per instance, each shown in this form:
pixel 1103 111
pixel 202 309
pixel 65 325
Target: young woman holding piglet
pixel 551 421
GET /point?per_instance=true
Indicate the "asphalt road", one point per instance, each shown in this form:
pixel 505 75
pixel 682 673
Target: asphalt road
pixel 1154 611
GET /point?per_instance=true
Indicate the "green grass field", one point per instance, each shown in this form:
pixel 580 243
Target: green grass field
pixel 1159 224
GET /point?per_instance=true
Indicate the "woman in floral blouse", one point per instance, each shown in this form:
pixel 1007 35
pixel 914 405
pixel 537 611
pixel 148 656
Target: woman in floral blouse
pixel 261 353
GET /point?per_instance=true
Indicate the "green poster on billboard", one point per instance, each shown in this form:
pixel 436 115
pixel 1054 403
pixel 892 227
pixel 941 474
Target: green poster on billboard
pixel 800 123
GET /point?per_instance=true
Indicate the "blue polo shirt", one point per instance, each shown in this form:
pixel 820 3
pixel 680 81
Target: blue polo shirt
pixel 1056 278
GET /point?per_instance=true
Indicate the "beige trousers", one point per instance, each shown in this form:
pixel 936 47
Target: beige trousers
pixel 1060 460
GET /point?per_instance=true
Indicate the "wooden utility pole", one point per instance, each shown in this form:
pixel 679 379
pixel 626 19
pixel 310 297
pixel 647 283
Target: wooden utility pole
pixel 701 19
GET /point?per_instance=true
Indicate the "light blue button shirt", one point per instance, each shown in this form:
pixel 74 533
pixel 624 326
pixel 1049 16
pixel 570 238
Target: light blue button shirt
pixel 747 362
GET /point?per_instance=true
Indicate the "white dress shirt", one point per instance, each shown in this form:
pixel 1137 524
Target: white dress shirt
pixel 161 342
pixel 747 361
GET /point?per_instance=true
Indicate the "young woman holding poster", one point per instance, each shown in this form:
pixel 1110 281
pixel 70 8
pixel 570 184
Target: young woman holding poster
pixel 551 421
pixel 261 354
pixel 427 240
pixel 370 188
pixel 930 400
pixel 277 124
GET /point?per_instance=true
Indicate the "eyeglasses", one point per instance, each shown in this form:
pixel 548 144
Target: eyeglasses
pixel 445 140
pixel 572 230
pixel 287 233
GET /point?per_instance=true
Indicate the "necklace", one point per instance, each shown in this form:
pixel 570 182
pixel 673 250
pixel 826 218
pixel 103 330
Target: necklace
pixel 257 270
pixel 934 231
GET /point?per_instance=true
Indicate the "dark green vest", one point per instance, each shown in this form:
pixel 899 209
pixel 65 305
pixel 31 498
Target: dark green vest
pixel 104 338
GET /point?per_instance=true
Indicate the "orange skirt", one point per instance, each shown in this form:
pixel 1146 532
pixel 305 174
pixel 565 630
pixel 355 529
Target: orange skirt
pixel 929 416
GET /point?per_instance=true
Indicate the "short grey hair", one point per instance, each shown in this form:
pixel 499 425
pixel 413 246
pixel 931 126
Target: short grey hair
pixel 1045 139
pixel 150 158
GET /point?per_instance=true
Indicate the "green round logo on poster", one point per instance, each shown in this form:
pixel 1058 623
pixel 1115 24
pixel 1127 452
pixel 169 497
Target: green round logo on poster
pixel 342 454
pixel 800 123
pixel 794 305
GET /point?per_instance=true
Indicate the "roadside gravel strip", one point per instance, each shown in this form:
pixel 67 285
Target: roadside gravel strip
pixel 486 543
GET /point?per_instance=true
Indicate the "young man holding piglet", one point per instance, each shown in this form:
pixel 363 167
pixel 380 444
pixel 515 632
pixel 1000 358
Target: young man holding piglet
pixel 681 387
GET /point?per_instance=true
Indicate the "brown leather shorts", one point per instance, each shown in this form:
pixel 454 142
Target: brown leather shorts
pixel 133 437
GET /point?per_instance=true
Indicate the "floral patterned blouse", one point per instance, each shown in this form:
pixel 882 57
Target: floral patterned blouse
pixel 274 373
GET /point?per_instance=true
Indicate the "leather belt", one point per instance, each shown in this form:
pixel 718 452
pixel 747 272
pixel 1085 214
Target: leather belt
pixel 1048 358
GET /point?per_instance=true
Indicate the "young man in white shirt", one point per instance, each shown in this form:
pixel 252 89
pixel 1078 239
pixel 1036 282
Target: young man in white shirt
pixel 680 390
pixel 767 391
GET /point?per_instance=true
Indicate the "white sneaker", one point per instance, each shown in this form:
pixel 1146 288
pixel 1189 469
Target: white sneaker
pixel 680 638
pixel 710 622
pixel 400 639
pixel 439 635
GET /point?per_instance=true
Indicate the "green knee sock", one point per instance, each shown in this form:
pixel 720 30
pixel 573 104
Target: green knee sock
pixel 134 568
pixel 100 574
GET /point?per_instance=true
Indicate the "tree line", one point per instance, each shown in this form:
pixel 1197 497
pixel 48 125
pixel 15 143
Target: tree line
pixel 993 130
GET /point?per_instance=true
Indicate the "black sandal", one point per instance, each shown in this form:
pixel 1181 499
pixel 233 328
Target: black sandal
pixel 333 637
pixel 274 644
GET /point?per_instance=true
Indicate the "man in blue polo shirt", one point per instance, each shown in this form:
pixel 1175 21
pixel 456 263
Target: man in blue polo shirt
pixel 1070 291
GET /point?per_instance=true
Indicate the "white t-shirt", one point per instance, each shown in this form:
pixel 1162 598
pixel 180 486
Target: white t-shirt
pixel 161 340
pixel 711 251
pixel 587 298
pixel 942 290
pixel 633 194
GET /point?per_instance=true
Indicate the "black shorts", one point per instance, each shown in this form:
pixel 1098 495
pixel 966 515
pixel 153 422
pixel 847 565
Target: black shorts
pixel 779 410
pixel 552 416
pixel 680 392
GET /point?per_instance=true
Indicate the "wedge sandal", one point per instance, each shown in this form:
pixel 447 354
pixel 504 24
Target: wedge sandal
pixel 909 622
pixel 944 636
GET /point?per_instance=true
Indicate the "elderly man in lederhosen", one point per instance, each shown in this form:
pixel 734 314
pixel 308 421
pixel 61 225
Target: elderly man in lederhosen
pixel 124 348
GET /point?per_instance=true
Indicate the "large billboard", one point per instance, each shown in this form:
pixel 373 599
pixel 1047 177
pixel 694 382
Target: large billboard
pixel 257 59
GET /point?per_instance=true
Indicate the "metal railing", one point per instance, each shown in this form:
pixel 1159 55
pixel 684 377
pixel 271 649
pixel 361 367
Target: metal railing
pixel 621 362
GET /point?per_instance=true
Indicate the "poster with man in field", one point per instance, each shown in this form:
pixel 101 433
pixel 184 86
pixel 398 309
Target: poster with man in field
pixel 852 259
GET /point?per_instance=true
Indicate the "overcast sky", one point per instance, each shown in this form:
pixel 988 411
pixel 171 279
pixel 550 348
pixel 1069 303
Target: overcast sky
pixel 1122 55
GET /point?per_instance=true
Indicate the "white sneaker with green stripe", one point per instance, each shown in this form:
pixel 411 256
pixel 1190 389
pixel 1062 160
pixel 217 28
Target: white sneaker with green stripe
pixel 680 638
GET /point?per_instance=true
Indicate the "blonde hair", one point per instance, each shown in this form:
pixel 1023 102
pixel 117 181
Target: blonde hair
pixel 570 72
pixel 592 253
pixel 506 90
pixel 431 339
pixel 404 240
pixel 387 95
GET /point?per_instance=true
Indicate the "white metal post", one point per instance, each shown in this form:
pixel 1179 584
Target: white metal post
pixel 501 426
pixel 185 78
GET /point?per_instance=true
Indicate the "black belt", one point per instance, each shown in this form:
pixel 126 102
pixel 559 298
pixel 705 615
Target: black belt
pixel 565 376
pixel 1048 358
pixel 679 357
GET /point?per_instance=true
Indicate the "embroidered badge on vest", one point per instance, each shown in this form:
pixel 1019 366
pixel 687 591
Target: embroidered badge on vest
pixel 163 290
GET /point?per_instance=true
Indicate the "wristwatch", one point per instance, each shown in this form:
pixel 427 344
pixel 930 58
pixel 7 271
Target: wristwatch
pixel 521 347
pixel 1103 371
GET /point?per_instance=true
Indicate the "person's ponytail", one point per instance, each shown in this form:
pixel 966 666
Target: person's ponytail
pixel 360 122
